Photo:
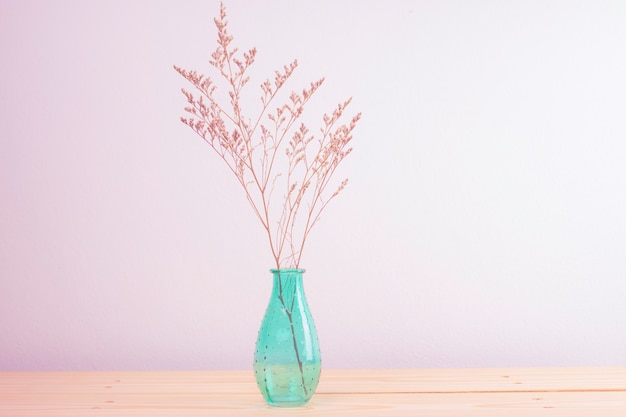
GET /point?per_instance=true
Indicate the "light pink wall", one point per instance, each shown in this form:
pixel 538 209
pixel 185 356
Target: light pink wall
pixel 483 226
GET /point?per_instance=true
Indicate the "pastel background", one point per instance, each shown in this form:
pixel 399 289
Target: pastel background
pixel 484 224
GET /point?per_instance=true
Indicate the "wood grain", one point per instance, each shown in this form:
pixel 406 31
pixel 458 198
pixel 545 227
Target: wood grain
pixel 420 392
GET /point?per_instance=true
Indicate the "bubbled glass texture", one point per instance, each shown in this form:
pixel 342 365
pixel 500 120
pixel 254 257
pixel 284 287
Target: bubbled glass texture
pixel 287 361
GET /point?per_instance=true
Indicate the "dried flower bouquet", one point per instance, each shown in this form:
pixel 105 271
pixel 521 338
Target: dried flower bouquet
pixel 255 148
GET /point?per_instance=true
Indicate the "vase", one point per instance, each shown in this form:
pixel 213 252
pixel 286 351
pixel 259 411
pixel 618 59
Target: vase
pixel 287 362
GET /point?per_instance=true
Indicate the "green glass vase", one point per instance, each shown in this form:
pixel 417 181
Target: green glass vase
pixel 287 361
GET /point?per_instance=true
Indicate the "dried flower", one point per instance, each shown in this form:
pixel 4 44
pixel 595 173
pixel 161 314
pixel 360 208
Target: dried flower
pixel 251 147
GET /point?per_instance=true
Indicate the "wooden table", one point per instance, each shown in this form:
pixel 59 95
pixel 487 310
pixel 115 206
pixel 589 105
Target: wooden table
pixel 589 392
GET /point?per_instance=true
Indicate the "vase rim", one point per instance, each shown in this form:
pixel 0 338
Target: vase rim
pixel 274 270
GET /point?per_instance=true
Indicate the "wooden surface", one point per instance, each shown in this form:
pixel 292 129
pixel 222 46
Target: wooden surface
pixel 589 392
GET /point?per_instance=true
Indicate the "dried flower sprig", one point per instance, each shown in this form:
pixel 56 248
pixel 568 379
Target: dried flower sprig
pixel 251 146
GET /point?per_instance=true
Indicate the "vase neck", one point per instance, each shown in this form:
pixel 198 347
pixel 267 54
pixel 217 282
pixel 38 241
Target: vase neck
pixel 287 281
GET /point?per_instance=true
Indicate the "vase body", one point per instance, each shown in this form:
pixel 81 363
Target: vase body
pixel 287 362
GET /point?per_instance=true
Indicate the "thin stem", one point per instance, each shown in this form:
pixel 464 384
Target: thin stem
pixel 289 312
